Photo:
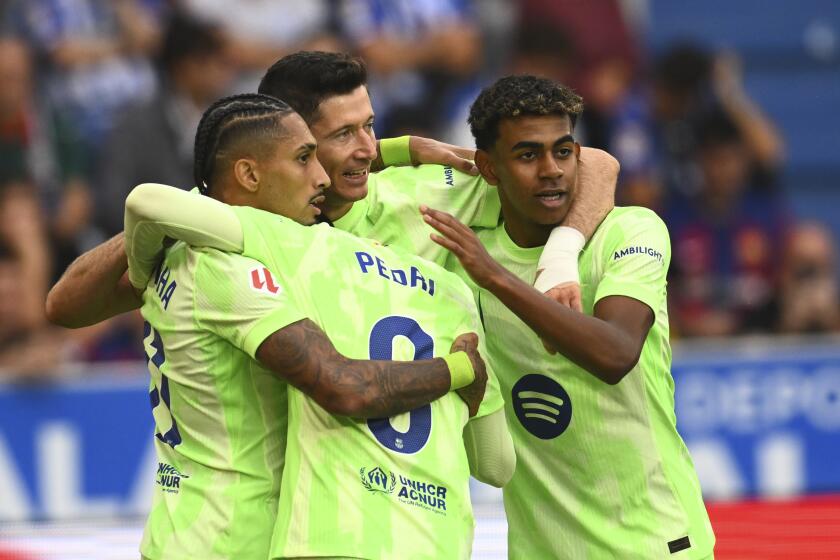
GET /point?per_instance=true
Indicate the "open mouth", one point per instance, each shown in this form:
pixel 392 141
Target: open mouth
pixel 314 201
pixel 356 176
pixel 552 198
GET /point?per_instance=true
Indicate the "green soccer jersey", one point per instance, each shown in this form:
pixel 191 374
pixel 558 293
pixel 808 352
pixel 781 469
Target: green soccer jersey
pixel 601 471
pixel 390 212
pixel 219 417
pixel 387 488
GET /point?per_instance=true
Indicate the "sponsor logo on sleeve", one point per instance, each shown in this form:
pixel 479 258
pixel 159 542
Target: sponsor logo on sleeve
pixel 449 176
pixel 638 250
pixel 263 281
pixel 412 492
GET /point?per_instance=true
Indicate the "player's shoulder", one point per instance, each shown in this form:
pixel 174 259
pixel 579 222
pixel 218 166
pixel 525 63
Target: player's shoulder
pixel 628 220
pixel 220 264
pixel 427 174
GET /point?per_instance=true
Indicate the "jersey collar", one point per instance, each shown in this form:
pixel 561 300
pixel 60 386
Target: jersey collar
pixel 356 214
pixel 524 255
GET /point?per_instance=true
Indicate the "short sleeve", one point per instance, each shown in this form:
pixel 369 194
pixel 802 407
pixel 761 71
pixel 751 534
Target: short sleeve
pixel 637 253
pixel 469 198
pixel 241 300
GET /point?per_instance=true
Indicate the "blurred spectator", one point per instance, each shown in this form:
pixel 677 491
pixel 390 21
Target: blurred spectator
pixel 418 53
pixel 605 55
pixel 725 240
pixel 40 149
pixel 153 142
pixel 24 262
pixel 809 297
pixel 259 32
pixel 537 49
pixel 654 133
pixel 93 57
pixel 543 50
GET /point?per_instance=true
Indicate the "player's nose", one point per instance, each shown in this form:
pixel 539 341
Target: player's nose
pixel 322 179
pixel 366 148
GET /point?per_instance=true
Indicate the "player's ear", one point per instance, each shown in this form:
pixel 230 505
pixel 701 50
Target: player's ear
pixel 247 174
pixel 485 167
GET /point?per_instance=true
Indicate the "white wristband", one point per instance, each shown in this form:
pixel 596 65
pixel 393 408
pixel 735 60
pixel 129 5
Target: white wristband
pixel 559 260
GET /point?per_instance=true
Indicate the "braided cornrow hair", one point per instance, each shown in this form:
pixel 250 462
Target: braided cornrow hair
pixel 228 120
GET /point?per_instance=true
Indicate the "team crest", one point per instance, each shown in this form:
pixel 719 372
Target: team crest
pixel 376 480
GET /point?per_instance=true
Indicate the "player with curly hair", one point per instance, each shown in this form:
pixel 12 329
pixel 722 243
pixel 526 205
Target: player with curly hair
pixel 601 470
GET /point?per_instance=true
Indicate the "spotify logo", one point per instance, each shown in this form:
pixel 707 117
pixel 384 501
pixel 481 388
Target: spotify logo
pixel 542 406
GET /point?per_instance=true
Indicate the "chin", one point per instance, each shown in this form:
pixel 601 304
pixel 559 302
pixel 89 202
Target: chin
pixel 552 218
pixel 348 193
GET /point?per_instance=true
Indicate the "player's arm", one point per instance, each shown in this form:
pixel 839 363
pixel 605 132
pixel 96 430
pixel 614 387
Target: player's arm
pixel 303 355
pixel 608 344
pixel 155 212
pixel 557 270
pixel 94 287
pixel 98 284
pixel 489 449
pixel 416 150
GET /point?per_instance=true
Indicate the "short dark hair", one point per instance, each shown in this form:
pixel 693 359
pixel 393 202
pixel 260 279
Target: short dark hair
pixel 306 78
pixel 514 96
pixel 717 128
pixel 683 69
pixel 187 37
pixel 229 121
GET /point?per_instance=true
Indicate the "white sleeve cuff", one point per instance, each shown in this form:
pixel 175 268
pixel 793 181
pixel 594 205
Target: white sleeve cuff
pixel 558 263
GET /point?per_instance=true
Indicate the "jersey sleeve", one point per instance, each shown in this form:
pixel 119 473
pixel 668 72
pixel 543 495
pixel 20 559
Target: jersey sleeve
pixel 637 255
pixel 470 199
pixel 241 300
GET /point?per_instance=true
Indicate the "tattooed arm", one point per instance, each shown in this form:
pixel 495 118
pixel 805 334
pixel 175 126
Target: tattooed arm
pixel 302 354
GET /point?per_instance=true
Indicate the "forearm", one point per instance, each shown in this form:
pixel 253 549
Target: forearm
pixel 302 354
pixel 759 133
pixel 595 197
pixel 387 388
pixel 593 344
pixel 93 288
pixel 489 448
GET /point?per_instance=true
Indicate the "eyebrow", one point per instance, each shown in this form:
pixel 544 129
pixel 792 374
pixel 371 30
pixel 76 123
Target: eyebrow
pixel 309 146
pixel 350 125
pixel 538 145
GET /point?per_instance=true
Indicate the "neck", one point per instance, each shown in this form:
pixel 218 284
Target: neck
pixel 336 209
pixel 527 234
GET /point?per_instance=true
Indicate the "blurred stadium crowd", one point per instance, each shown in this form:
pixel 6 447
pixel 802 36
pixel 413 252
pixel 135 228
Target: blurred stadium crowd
pixel 97 96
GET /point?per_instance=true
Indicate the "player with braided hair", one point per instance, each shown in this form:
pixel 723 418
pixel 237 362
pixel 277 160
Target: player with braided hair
pixel 226 337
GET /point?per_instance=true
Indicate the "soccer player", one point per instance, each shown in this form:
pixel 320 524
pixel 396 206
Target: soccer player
pixel 601 470
pixel 404 479
pixel 222 329
pixel 329 90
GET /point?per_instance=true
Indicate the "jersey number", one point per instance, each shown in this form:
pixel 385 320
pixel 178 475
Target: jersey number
pixel 420 419
pixel 172 437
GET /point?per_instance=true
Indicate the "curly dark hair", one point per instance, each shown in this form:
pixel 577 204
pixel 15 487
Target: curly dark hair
pixel 514 96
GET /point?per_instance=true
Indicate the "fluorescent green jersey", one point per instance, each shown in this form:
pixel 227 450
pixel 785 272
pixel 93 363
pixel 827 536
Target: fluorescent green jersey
pixel 390 212
pixel 388 488
pixel 219 417
pixel 601 471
